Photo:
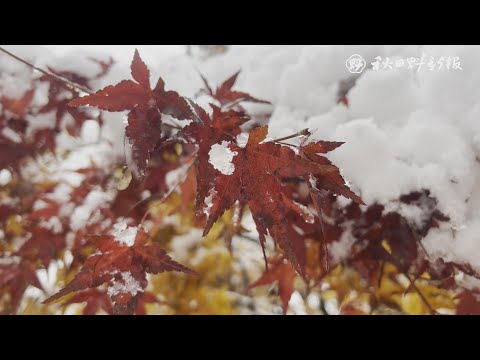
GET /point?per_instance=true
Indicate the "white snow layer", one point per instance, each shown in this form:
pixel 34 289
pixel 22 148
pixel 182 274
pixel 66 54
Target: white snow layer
pixel 405 130
pixel 5 177
pixel 220 156
pixel 128 284
pixel 125 234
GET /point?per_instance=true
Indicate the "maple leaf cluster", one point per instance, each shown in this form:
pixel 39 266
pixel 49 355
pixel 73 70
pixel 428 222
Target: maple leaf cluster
pixel 22 141
pixel 289 189
pixel 37 224
pixel 261 167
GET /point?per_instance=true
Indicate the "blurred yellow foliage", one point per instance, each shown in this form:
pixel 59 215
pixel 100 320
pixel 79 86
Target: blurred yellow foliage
pixel 206 293
pixel 35 307
pixel 13 225
pixel 352 295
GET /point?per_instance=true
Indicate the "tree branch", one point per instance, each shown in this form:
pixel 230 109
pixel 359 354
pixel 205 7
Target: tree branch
pixel 70 84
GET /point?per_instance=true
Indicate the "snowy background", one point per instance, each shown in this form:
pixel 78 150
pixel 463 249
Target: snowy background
pixel 405 129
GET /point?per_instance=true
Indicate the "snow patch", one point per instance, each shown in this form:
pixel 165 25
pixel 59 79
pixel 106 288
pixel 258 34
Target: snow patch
pixel 90 132
pixel 297 304
pixel 242 140
pixel 220 156
pixel 128 284
pixel 39 205
pixel 53 224
pixel 10 260
pixel 11 135
pixel 95 199
pixel 209 201
pixel 124 233
pixel 182 244
pixel 174 177
pixel 340 249
pixel 5 177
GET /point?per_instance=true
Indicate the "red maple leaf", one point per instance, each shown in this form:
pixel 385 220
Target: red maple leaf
pixel 281 271
pixel 59 95
pixel 259 169
pixel 124 268
pixel 15 277
pixel 469 303
pixel 145 105
pixel 45 140
pixel 48 210
pixel 11 153
pixel 104 65
pixel 206 131
pixel 144 299
pixel 95 300
pixel 226 96
pixel 43 245
pixel 6 211
pixel 18 107
pixel 332 180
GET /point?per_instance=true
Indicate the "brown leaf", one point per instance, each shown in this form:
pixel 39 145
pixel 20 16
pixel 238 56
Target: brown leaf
pixel 19 107
pixel 469 303
pixel 225 95
pixel 282 272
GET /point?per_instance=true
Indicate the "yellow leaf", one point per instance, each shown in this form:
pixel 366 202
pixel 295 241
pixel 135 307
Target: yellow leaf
pixel 14 226
pixel 123 178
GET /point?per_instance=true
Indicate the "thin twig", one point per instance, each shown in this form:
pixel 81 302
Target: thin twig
pixel 422 297
pixel 125 150
pixel 73 86
pixel 304 132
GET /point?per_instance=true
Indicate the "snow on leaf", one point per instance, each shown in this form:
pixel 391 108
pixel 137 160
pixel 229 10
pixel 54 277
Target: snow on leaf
pixel 260 168
pixel 124 234
pixel 206 131
pixel 220 156
pixel 123 268
pixel 127 284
